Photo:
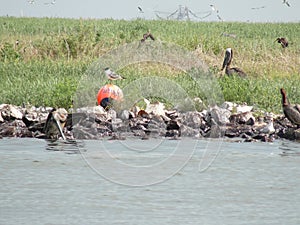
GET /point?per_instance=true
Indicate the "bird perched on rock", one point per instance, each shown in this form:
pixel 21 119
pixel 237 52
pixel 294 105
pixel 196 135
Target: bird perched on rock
pixel 55 123
pixel 227 62
pixel 283 41
pixel 291 112
pixel 111 75
pixel 146 36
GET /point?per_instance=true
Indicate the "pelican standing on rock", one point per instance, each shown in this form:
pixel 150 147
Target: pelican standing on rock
pixel 291 112
pixel 55 123
pixel 227 62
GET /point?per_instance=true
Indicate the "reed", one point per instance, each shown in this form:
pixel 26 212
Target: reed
pixel 52 54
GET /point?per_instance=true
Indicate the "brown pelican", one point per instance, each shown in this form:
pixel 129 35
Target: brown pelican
pixel 111 75
pixel 146 36
pixel 227 62
pixel 55 123
pixel 283 41
pixel 292 112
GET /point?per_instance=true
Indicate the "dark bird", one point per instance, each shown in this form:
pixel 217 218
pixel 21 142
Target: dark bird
pixel 283 41
pixel 146 36
pixel 227 62
pixel 55 123
pixel 286 2
pixel 140 9
pixel 291 112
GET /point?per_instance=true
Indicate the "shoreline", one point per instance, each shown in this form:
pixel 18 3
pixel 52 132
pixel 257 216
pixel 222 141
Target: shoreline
pixel 230 121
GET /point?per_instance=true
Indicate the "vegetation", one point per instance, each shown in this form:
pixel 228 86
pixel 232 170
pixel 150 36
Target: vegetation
pixel 42 61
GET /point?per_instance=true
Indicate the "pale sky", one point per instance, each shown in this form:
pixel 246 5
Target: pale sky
pixel 228 10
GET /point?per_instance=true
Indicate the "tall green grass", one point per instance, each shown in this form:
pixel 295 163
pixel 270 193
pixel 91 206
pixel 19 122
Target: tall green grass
pixel 52 55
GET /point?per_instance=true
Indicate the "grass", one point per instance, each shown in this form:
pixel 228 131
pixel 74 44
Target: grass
pixel 53 54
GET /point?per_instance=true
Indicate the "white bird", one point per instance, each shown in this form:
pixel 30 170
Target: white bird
pixel 31 1
pixel 50 3
pixel 261 7
pixel 269 128
pixel 111 75
pixel 213 8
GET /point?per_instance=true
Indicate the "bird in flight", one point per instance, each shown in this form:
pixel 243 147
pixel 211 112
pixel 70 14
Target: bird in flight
pixel 286 2
pixel 31 1
pixel 261 7
pixel 50 3
pixel 213 8
pixel 140 9
pixel 111 75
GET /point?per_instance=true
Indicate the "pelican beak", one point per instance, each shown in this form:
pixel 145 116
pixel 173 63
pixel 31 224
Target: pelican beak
pixel 60 129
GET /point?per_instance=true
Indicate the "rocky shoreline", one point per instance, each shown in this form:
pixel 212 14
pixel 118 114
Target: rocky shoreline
pixel 229 120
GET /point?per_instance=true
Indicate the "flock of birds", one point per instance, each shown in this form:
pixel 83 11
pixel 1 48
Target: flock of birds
pixel 57 118
pixel 183 12
pixel 235 70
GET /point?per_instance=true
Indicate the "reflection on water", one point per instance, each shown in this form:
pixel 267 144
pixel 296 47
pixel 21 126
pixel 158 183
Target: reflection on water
pixel 67 146
pixel 289 148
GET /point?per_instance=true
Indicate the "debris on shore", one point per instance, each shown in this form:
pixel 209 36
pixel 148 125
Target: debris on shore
pixel 229 120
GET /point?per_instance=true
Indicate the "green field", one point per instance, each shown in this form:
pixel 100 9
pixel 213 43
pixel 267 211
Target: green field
pixel 53 54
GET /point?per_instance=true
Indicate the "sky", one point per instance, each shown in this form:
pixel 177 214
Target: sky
pixel 226 10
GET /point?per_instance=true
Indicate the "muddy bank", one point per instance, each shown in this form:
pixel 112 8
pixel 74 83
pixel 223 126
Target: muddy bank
pixel 229 120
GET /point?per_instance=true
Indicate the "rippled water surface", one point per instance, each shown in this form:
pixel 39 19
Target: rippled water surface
pixel 149 182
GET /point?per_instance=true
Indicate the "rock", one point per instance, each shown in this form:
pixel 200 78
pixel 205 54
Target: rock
pixel 220 115
pixel 297 134
pixel 157 108
pixel 10 112
pixel 242 118
pixel 192 119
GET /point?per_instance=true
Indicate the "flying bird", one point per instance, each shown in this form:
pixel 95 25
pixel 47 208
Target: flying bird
pixel 111 75
pixel 261 7
pixel 140 9
pixel 227 62
pixel 286 2
pixel 219 17
pixel 50 3
pixel 213 8
pixel 146 36
pixel 55 123
pixel 283 41
pixel 31 1
pixel 291 112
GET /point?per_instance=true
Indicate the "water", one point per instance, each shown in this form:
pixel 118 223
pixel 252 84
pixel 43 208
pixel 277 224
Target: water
pixel 149 182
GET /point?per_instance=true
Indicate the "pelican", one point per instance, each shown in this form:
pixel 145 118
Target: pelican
pixel 147 35
pixel 291 112
pixel 227 62
pixel 111 75
pixel 283 41
pixel 55 123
